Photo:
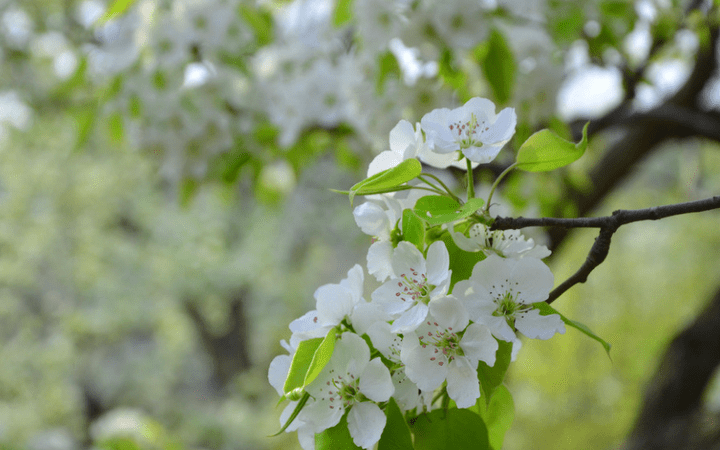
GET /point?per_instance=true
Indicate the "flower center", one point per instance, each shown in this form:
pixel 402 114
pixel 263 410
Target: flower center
pixel 342 390
pixel 507 303
pixel 414 287
pixel 445 341
pixel 466 132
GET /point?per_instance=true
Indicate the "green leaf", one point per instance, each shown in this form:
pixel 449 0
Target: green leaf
pixel 301 363
pixel 336 438
pixel 545 151
pixel 499 67
pixel 343 12
pixel 118 8
pixel 546 310
pixel 396 435
pixel 456 429
pixel 387 67
pixel 498 415
pixel 388 180
pixel 322 356
pixel 492 377
pixel 438 209
pixel 260 21
pixel 413 229
pixel 300 405
pixel 461 262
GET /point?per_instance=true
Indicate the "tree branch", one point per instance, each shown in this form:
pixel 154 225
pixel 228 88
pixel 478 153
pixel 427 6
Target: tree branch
pixel 608 226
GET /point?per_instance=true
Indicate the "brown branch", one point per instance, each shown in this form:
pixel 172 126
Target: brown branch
pixel 671 415
pixel 608 226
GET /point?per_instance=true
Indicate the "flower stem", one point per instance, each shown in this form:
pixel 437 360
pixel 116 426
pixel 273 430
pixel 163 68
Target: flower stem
pixel 470 180
pixel 495 184
pixel 447 189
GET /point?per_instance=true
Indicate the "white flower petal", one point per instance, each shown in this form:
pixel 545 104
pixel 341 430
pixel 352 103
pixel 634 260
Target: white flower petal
pixel 503 127
pixel 449 313
pixel 402 136
pixel 333 303
pixel 366 315
pixel 354 282
pixel 375 381
pixel 478 344
pixel 438 263
pixel 410 319
pixel 535 326
pixel 407 259
pixel 379 260
pixel 277 373
pixel 386 296
pixel 462 382
pixel 385 160
pixel 534 280
pixel 372 219
pixel 308 326
pixel 426 373
pixel 475 298
pixel 499 328
pixel 366 423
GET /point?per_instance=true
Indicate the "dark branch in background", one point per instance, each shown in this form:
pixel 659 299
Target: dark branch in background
pixel 608 226
pixel 672 417
pixel 644 132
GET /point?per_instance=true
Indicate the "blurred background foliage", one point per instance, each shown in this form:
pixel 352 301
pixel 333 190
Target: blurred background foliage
pixel 165 212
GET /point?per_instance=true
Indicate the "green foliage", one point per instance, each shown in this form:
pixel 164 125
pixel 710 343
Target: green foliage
pixel 497 414
pixel 492 377
pixel 116 9
pixel 389 180
pixel 454 429
pixel 261 21
pixel 546 309
pixel 343 12
pixel 438 209
pixel 336 438
pixel 396 435
pixel 545 151
pixel 413 229
pixel 461 262
pixel 499 67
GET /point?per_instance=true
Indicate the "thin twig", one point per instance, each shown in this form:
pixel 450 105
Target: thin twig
pixel 608 226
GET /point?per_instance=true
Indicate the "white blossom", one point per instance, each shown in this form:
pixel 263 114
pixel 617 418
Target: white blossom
pixel 474 129
pixel 500 293
pixel 416 282
pixel 350 381
pixel 439 350
pixel 505 243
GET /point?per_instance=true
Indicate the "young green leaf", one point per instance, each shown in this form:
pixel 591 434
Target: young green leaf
pixel 499 67
pixel 118 8
pixel 388 180
pixel 336 438
pixel 343 12
pixel 546 310
pixel 456 429
pixel 396 435
pixel 296 411
pixel 492 377
pixel 321 356
pixel 301 363
pixel 545 151
pixel 413 229
pixel 498 414
pixel 438 209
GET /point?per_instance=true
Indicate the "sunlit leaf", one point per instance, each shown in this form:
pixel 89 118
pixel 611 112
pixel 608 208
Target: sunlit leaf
pixel 545 150
pixel 546 310
pixel 456 429
pixel 396 435
pixel 498 415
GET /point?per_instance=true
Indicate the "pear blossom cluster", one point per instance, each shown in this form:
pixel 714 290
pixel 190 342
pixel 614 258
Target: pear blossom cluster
pixel 410 331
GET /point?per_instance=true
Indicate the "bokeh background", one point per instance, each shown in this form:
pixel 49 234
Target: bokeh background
pixel 165 210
